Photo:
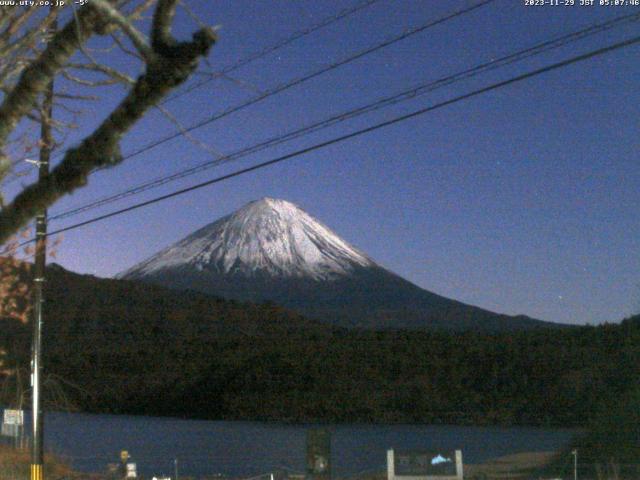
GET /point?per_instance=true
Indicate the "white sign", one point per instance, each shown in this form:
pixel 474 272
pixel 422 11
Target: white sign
pixel 424 465
pixel 13 417
pixel 131 470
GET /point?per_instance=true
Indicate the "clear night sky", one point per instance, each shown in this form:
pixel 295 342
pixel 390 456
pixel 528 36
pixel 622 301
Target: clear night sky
pixel 522 200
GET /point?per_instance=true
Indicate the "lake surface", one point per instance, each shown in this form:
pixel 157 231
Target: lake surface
pixel 249 449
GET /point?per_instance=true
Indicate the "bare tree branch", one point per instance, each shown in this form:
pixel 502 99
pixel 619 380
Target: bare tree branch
pixel 88 83
pixel 104 69
pixel 171 64
pixel 118 41
pixel 136 37
pixel 161 38
pixel 35 77
pixel 15 22
pixel 140 9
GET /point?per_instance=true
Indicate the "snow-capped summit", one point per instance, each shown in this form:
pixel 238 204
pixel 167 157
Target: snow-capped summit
pixel 269 237
pixel 271 250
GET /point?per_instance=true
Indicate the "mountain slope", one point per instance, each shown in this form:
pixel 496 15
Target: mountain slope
pixel 271 250
pixel 115 346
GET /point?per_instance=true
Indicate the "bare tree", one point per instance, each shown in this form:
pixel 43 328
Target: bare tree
pixel 27 69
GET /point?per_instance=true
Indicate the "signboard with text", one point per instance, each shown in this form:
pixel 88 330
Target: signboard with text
pixel 13 417
pixel 424 465
pixel 12 423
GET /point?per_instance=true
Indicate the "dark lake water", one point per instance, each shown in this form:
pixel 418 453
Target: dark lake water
pixel 248 449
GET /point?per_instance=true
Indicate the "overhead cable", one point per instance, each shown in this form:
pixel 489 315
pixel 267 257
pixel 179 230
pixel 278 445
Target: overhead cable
pixel 411 93
pixel 357 133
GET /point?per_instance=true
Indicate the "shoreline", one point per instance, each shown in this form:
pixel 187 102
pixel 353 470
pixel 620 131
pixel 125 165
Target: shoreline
pixel 14 464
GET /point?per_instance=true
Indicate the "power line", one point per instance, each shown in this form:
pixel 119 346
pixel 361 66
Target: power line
pixel 283 43
pixel 299 80
pixel 382 103
pixel 286 86
pixel 256 56
pixel 281 88
pixel 422 111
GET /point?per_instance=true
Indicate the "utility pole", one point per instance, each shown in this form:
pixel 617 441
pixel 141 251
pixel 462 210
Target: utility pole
pixel 574 452
pixel 175 465
pixel 46 145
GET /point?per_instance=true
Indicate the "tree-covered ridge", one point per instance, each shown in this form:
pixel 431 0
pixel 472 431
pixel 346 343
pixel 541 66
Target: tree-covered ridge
pixel 134 348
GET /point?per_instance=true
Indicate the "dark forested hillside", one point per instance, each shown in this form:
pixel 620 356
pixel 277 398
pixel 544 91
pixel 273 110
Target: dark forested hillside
pixel 134 348
pixel 543 377
pixel 610 445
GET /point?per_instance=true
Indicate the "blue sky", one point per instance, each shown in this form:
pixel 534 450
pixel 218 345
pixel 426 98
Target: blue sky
pixel 521 200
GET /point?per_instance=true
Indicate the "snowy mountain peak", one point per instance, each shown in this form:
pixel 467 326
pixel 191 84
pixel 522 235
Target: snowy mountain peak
pixel 266 237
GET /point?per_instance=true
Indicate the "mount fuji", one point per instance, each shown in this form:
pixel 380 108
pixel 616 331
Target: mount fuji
pixel 271 250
